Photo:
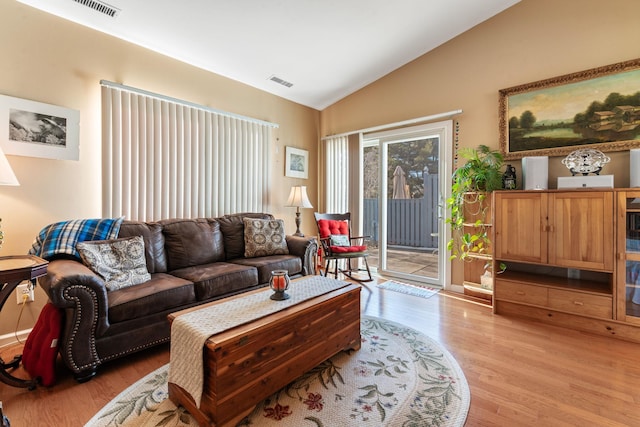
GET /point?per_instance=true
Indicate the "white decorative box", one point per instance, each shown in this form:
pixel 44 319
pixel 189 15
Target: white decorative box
pixel 589 181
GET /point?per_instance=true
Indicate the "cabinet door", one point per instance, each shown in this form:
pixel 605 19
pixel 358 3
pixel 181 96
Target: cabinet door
pixel 581 230
pixel 520 226
pixel 628 223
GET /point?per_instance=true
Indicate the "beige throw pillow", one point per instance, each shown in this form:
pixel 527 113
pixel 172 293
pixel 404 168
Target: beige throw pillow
pixel 120 262
pixel 264 237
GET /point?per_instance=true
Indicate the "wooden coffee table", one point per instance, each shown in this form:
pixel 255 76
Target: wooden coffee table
pixel 246 364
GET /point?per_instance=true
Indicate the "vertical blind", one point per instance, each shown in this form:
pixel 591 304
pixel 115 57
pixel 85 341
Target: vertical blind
pixel 166 158
pixel 337 173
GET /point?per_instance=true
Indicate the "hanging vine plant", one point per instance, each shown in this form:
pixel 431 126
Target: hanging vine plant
pixel 472 182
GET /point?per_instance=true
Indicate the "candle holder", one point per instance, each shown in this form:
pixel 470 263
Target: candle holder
pixel 279 283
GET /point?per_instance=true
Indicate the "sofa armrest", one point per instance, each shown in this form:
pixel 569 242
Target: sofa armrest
pixel 82 295
pixel 307 249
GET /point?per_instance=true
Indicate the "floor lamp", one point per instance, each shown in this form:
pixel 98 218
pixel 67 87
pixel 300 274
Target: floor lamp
pixel 298 198
pixel 7 177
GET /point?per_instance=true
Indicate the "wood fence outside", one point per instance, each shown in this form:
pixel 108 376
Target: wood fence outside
pixel 410 222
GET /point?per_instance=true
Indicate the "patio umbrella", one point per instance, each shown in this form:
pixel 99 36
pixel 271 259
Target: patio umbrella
pixel 400 187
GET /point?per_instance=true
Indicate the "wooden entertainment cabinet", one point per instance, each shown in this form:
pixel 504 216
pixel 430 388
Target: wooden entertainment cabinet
pixel 572 258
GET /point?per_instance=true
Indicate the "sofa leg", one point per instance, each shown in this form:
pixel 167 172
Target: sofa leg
pixel 84 376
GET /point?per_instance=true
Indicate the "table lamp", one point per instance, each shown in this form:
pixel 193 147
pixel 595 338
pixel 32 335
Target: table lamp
pixel 298 198
pixel 7 177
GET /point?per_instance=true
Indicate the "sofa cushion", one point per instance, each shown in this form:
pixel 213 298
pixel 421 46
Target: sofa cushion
pixel 263 237
pixel 161 293
pixel 153 242
pixel 232 227
pixel 190 242
pixel 267 264
pixel 218 279
pixel 120 262
pixel 60 238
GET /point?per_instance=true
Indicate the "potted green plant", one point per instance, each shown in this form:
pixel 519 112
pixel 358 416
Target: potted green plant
pixel 468 207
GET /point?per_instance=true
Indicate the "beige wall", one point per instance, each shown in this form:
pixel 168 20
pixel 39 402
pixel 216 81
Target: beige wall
pixel 531 41
pixel 50 60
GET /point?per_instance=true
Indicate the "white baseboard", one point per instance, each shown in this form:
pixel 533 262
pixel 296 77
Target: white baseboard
pixel 456 288
pixel 9 339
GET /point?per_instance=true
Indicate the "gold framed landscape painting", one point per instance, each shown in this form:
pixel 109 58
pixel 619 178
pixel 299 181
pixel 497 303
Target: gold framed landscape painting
pixel 597 108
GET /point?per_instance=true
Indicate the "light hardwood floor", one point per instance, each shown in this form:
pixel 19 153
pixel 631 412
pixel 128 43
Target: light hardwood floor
pixel 520 373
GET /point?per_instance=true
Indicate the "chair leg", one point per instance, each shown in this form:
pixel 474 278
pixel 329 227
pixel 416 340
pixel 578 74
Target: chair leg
pixel 366 264
pixel 349 270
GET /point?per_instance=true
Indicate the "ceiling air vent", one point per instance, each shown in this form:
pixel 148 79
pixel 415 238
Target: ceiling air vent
pixel 99 6
pixel 280 81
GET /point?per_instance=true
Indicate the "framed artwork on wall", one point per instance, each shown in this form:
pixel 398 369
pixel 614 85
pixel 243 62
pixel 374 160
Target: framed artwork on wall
pixel 597 108
pixel 34 129
pixel 296 163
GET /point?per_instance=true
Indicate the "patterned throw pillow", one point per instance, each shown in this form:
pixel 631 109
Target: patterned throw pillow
pixel 121 262
pixel 264 237
pixel 339 240
pixel 62 237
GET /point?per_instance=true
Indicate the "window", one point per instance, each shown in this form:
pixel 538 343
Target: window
pixel 166 158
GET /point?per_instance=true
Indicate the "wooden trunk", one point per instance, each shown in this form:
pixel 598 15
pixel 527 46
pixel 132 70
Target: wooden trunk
pixel 246 364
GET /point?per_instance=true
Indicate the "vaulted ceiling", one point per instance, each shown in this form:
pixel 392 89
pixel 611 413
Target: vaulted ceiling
pixel 313 52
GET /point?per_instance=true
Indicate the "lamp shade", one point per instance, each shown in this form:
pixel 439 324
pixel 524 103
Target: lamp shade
pixel 298 197
pixel 7 177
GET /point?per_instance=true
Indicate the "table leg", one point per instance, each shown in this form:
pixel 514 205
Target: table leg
pixel 5 376
pixel 9 379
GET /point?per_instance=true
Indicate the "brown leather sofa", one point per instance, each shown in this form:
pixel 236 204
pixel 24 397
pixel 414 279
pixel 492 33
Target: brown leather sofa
pixel 191 261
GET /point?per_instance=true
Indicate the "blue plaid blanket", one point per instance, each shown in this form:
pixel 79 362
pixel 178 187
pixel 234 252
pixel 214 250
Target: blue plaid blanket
pixel 61 237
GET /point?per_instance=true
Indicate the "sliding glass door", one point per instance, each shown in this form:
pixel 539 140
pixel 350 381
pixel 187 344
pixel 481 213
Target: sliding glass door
pixel 405 174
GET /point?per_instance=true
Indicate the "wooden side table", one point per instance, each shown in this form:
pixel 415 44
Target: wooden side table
pixel 14 270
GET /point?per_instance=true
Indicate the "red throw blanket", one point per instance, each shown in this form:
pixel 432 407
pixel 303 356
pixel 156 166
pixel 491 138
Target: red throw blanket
pixel 40 350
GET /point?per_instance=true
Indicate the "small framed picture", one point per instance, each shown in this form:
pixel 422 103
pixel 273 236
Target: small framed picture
pixel 297 163
pixel 34 129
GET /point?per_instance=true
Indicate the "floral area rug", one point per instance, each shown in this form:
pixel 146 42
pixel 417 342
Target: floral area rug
pixel 399 377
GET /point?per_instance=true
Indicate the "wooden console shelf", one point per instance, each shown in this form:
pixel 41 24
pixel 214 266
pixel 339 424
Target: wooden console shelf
pixel 582 297
pixel 478 214
pixel 562 283
pixel 572 257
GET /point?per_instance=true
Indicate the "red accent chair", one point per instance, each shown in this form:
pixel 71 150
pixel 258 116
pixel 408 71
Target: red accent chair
pixel 338 244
